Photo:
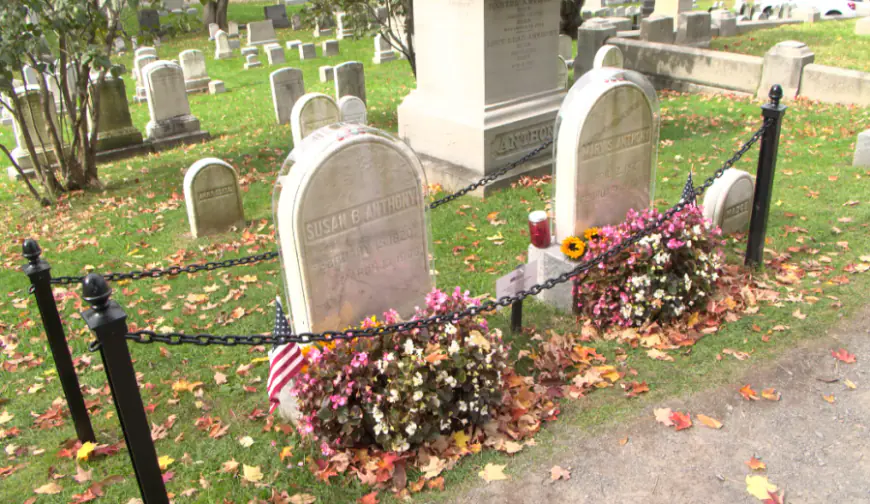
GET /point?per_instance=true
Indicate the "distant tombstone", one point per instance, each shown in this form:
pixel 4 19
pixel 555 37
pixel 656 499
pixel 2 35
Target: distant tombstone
pixel 149 21
pixel 31 76
pixel 261 32
pixel 295 22
pixel 139 52
pixel 222 46
pixel 307 51
pixel 327 73
pixel 216 87
pixel 30 101
pixel 862 150
pixel 233 29
pixel 350 79
pixel 605 150
pixel 330 48
pixel 353 110
pixel 342 30
pixel 562 78
pixel 278 15
pixel 293 45
pixel 311 112
pixel 115 126
pixel 246 51
pixel 251 61
pixel 140 63
pixel 171 119
pixel 608 56
pixel 353 235
pixel 212 197
pixel 195 74
pixel 213 28
pixel 287 87
pixel 383 50
pixel 274 54
pixel 566 47
pixel 728 202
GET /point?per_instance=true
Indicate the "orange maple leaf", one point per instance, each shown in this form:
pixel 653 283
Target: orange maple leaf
pixel 755 464
pixel 748 393
pixel 436 356
pixel 844 356
pixel 636 388
pixel 775 498
pixel 681 420
pixel 371 498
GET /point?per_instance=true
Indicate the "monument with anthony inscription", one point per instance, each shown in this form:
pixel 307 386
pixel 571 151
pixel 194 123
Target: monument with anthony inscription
pixel 213 197
pixel 350 208
pixel 496 100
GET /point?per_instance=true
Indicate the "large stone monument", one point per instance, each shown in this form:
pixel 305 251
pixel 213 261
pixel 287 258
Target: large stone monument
pixel 213 197
pixel 351 220
pixel 115 130
pixel 171 121
pixel 487 98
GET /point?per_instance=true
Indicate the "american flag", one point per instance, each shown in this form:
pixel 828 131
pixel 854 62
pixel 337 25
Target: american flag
pixel 284 360
pixel 689 191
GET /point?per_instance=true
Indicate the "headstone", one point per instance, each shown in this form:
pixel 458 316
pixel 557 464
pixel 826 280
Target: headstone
pixel 171 120
pixel 342 30
pixel 354 236
pixel 195 74
pixel 222 48
pixel 606 147
pixel 140 63
pixel 115 128
pixel 216 87
pixel 609 56
pixel 29 99
pixel 310 113
pixel 353 110
pixel 213 197
pixel 566 48
pixel 657 28
pixel 278 15
pixel 488 97
pixel 383 50
pixel 694 29
pixel 275 54
pixel 672 8
pixel 330 48
pixel 590 37
pixel 806 14
pixel 562 77
pixel 149 21
pixel 728 202
pixel 251 61
pixel 327 73
pixel 247 51
pixel 784 65
pixel 287 87
pixel 726 21
pixel 307 51
pixel 261 32
pixel 296 22
pixel 233 29
pixel 760 16
pixel 213 28
pixel 350 79
pixel 621 23
pixel 293 44
pixel 862 150
pixel 142 51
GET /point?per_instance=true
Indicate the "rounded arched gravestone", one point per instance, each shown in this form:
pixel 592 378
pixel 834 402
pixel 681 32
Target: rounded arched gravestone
pixel 609 56
pixel 311 112
pixel 351 214
pixel 607 133
pixel 213 197
pixel 728 202
pixel 353 110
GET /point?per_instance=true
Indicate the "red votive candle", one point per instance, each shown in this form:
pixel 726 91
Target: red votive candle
pixel 539 229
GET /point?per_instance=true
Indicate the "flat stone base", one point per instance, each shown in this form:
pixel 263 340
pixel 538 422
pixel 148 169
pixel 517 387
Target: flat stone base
pixel 124 152
pixel 197 86
pixel 682 86
pixel 13 174
pixel 384 56
pixel 118 139
pixel 183 139
pixel 453 177
pixel 179 125
pixel 551 262
pixel 253 65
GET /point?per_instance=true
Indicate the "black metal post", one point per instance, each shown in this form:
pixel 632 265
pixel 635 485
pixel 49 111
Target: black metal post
pixel 772 112
pixel 109 322
pixel 39 272
pixel 517 316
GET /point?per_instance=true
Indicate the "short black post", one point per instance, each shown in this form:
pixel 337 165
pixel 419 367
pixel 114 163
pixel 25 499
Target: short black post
pixel 517 316
pixel 39 272
pixel 772 112
pixel 109 322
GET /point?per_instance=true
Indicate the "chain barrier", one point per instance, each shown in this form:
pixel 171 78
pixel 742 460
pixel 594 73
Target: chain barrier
pixel 177 338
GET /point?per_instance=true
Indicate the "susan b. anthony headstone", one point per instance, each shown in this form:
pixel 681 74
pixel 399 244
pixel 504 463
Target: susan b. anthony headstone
pixel 213 197
pixel 351 215
pixel 311 112
pixel 728 202
pixel 353 110
pixel 287 87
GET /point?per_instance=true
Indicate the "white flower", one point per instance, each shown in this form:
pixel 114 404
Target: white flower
pixel 380 429
pixel 658 294
pixel 445 424
pixel 625 310
pixel 687 281
pixel 409 346
pixel 394 395
pixel 662 257
pixel 453 348
pixel 418 395
pixel 450 329
pixel 696 229
pixel 418 379
pixel 411 428
pixel 463 406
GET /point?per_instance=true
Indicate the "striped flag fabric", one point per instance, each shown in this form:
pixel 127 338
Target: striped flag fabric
pixel 285 361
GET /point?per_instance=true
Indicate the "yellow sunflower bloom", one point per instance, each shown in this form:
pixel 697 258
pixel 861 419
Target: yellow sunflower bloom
pixel 573 247
pixel 592 233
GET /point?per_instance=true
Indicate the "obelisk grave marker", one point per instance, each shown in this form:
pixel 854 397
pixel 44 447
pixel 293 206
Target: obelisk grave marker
pixel 351 219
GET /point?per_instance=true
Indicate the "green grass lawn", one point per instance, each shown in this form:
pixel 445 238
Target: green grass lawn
pixel 833 42
pixel 819 216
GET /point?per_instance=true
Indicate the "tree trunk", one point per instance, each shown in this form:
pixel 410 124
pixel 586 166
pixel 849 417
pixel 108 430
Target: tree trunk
pixel 215 11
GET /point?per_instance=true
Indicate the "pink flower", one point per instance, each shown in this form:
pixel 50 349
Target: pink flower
pixel 326 450
pixel 436 299
pixel 360 359
pixel 674 244
pixel 337 401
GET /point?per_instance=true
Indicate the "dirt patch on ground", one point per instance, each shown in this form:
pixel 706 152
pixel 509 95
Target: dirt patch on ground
pixel 816 451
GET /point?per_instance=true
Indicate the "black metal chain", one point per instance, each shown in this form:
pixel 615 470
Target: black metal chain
pixel 177 338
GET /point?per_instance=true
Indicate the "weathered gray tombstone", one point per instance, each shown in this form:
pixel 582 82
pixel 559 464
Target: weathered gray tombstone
pixel 563 79
pixel 247 51
pixel 728 202
pixel 195 73
pixel 30 101
pixel 213 197
pixel 351 214
pixel 278 15
pixel 251 61
pixel 295 22
pixel 327 73
pixel 293 44
pixel 342 30
pixel 149 21
pixel 330 48
pixel 274 54
pixel 353 110
pixel 140 63
pixel 171 121
pixel 261 32
pixel 609 56
pixel 590 37
pixel 307 51
pixel 233 29
pixel 383 50
pixel 216 87
pixel 726 22
pixel 621 23
pixel 657 28
pixel 213 28
pixel 566 48
pixel 694 29
pixel 862 150
pixel 115 128
pixel 222 48
pixel 287 87
pixel 784 65
pixel 311 112
pixel 350 79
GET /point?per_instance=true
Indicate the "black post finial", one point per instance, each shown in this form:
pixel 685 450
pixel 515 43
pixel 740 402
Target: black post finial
pixel 31 250
pixel 775 94
pixel 96 291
